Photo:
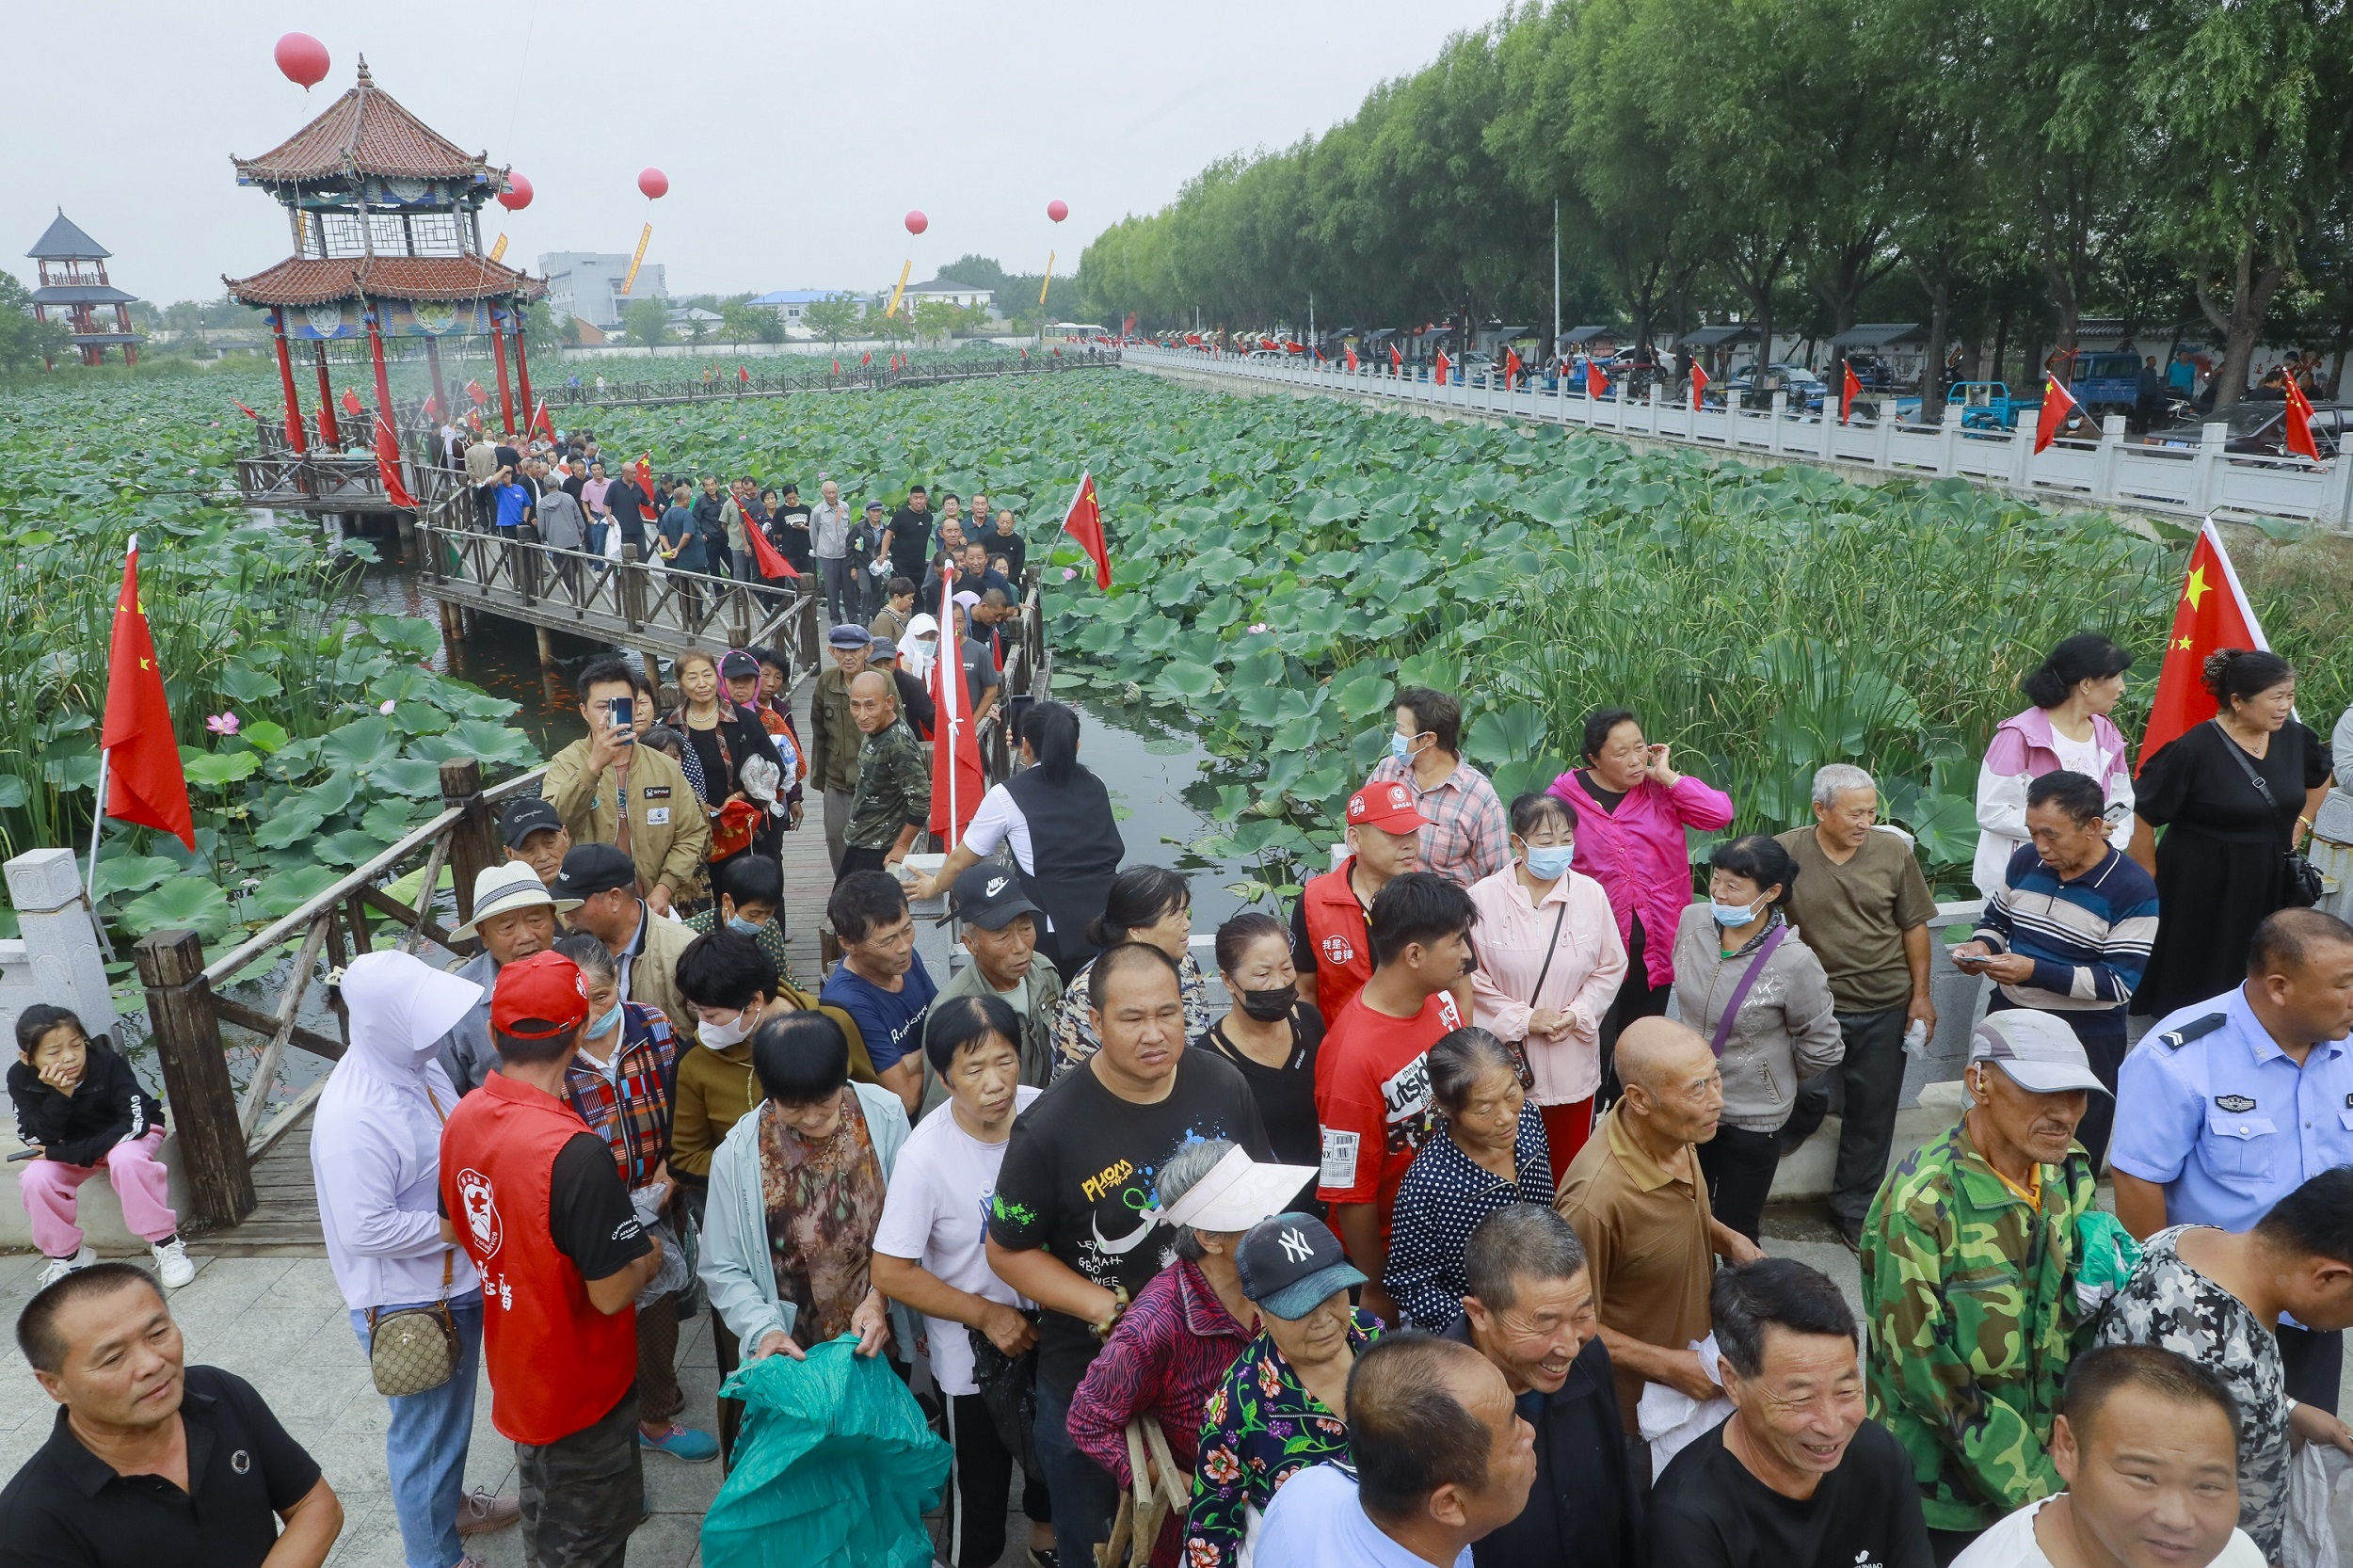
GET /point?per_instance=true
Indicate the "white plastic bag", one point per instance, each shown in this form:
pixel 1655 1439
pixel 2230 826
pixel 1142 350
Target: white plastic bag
pixel 1670 1418
pixel 2320 1510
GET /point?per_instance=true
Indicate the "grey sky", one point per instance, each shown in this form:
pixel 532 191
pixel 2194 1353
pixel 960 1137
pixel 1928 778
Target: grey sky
pixel 795 137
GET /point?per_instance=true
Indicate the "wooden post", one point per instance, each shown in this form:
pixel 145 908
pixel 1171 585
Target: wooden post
pixel 547 647
pixel 473 843
pixel 204 1102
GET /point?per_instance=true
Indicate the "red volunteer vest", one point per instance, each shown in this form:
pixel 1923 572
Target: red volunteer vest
pixel 1335 929
pixel 557 1365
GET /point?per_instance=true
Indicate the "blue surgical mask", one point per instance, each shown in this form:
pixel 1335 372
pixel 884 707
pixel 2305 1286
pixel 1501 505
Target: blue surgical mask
pixel 1400 747
pixel 1731 914
pixel 601 1027
pixel 1549 861
pixel 739 924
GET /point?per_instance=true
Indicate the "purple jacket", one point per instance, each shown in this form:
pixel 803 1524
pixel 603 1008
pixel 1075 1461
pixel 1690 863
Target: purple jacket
pixel 1640 857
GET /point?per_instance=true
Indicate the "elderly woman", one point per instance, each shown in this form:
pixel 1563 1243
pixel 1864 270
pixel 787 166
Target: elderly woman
pixel 1764 1003
pixel 722 737
pixel 1489 1155
pixel 1633 811
pixel 796 1195
pixel 1145 903
pixel 1188 1324
pixel 1284 1406
pixel 2073 691
pixel 1549 966
pixel 1270 1036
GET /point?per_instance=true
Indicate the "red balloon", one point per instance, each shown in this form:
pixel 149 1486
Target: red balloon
pixel 916 222
pixel 517 196
pixel 653 183
pixel 1057 209
pixel 302 58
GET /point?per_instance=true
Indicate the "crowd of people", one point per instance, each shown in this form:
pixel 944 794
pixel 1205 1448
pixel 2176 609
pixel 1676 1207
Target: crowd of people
pixel 1432 1233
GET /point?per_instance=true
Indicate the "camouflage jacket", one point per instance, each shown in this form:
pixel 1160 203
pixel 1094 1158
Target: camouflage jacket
pixel 894 788
pixel 1968 1293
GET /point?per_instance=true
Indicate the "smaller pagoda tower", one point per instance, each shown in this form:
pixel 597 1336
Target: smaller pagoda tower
pixel 73 284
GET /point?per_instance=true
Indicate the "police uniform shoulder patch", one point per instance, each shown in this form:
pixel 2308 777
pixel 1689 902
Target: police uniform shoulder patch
pixel 2195 1030
pixel 2235 1104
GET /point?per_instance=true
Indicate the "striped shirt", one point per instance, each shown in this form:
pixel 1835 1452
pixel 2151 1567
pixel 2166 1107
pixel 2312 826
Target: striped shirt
pixel 1469 836
pixel 2088 936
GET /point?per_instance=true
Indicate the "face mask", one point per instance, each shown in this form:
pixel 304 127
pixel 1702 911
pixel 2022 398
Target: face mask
pixel 1548 861
pixel 601 1027
pixel 1268 1006
pixel 1731 914
pixel 1400 747
pixel 720 1036
pixel 738 924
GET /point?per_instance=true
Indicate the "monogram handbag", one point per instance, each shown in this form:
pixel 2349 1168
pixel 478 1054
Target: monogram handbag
pixel 415 1348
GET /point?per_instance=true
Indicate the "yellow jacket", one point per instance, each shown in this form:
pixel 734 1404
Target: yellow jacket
pixel 667 835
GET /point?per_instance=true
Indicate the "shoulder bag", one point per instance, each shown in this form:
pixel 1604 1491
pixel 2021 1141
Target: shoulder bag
pixel 415 1350
pixel 1741 991
pixel 2303 878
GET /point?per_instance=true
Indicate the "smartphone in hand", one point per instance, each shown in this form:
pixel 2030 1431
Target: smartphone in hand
pixel 625 719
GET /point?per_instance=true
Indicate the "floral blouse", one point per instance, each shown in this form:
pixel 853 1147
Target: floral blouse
pixel 1259 1428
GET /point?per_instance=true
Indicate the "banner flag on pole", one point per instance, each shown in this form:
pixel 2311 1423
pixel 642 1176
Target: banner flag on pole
pixel 1699 383
pixel 145 784
pixel 1084 524
pixel 388 466
pixel 2213 614
pixel 957 780
pixel 2058 408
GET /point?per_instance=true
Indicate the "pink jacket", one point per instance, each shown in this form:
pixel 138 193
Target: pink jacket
pixel 2022 751
pixel 1588 963
pixel 1640 857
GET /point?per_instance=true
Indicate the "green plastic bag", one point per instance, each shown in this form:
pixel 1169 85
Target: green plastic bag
pixel 2106 1255
pixel 834 1467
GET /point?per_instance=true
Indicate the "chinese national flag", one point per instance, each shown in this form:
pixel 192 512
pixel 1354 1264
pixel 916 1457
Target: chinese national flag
pixel 1511 368
pixel 540 421
pixel 743 374
pixel 645 487
pixel 771 561
pixel 388 466
pixel 1084 524
pixel 1352 358
pixel 2299 423
pixel 1849 389
pixel 481 398
pixel 2058 408
pixel 474 419
pixel 1596 382
pixel 243 410
pixel 1699 383
pixel 432 409
pixel 351 401
pixel 867 359
pixel 837 367
pixel 144 784
pixel 1444 365
pixel 957 781
pixel 2213 614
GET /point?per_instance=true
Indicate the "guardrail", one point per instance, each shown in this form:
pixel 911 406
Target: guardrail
pixel 2163 481
pixel 821 377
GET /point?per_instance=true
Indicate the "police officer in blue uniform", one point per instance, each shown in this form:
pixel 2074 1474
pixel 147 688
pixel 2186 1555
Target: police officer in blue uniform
pixel 2226 1107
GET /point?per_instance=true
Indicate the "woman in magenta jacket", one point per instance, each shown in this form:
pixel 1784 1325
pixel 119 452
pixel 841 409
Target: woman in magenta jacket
pixel 1632 809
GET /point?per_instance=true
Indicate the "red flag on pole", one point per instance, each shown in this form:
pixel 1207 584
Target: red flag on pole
pixel 141 754
pixel 1442 366
pixel 957 781
pixel 867 359
pixel 1849 388
pixel 2213 614
pixel 388 466
pixel 1397 359
pixel 1699 383
pixel 2058 408
pixel 481 398
pixel 1084 524
pixel 771 561
pixel 837 367
pixel 2299 422
pixel 1511 368
pixel 243 410
pixel 645 483
pixel 432 405
pixel 1596 382
pixel 351 401
pixel 540 421
pixel 743 374
pixel 1352 357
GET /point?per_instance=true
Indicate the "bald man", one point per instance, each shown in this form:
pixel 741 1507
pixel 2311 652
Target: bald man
pixel 893 800
pixel 1637 1201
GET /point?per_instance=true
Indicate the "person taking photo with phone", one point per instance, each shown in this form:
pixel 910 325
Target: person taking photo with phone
pixel 611 791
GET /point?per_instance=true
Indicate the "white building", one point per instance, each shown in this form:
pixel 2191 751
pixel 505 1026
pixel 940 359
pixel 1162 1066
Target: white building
pixel 588 285
pixel 954 294
pixel 792 305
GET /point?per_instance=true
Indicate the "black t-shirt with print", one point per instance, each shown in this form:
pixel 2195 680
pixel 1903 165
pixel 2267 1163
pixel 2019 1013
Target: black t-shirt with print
pixel 589 1215
pixel 910 543
pixel 1079 1181
pixel 1707 1511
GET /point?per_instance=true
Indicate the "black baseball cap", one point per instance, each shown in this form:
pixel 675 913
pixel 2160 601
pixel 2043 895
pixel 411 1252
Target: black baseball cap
pixel 591 869
pixel 987 895
pixel 522 818
pixel 1292 1264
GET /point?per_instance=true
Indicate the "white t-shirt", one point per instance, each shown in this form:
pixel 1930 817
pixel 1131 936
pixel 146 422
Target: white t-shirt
pixel 1316 1522
pixel 937 1213
pixel 2011 1543
pixel 997 821
pixel 2081 756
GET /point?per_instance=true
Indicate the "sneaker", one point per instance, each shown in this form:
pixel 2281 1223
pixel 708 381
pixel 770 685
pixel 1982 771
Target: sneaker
pixel 479 1513
pixel 1043 1557
pixel 171 1262
pixel 60 1267
pixel 681 1443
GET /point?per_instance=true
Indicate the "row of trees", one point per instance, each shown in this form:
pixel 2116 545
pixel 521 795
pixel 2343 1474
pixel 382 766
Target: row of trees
pixel 646 322
pixel 1983 165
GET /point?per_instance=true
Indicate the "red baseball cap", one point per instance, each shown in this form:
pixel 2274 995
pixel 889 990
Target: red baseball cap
pixel 539 998
pixel 1387 807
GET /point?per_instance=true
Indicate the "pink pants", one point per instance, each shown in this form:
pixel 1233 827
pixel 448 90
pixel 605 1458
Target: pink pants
pixel 139 1180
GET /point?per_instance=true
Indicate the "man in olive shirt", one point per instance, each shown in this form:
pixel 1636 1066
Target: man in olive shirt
pixel 663 830
pixel 893 803
pixel 1862 905
pixel 834 741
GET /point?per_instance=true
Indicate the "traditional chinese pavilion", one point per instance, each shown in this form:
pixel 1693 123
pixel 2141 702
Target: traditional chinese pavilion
pixel 73 284
pixel 386 219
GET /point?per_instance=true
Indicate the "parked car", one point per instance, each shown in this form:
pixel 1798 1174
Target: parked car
pixel 1807 390
pixel 2105 383
pixel 2259 429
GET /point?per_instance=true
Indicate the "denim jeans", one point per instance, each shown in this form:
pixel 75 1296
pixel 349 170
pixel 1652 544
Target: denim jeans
pixel 1085 1496
pixel 425 1450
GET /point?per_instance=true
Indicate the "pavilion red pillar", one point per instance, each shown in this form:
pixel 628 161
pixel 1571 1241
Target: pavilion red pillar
pixel 385 423
pixel 440 393
pixel 522 376
pixel 295 436
pixel 328 430
pixel 498 352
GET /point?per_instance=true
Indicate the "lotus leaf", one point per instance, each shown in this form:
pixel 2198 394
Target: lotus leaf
pixel 185 903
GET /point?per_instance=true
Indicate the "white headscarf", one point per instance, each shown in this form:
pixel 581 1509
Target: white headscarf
pixel 919 654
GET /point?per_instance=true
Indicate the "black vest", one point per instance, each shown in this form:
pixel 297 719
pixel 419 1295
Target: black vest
pixel 1076 850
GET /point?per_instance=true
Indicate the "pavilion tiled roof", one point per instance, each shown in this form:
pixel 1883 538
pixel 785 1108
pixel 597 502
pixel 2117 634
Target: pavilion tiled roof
pixel 314 280
pixel 63 241
pixel 367 131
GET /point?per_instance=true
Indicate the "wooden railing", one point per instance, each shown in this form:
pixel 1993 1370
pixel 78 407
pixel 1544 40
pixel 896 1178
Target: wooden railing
pixel 332 481
pixel 1026 674
pixel 188 1004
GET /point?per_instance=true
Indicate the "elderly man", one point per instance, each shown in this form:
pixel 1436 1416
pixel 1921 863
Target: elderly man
pixel 600 890
pixel 151 1461
pixel 1001 933
pixel 2230 1105
pixel 1331 947
pixel 1970 1260
pixel 1006 545
pixel 835 738
pixel 830 546
pixel 1636 1195
pixel 1796 1476
pixel 514 915
pixel 535 835
pixel 1862 905
pixel 1529 1310
pixel 1467 837
pixel 608 790
pixel 881 983
pixel 893 800
pixel 1442 1460
pixel 2069 931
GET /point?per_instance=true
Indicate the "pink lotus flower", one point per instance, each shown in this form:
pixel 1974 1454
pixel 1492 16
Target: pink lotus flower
pixel 1257 626
pixel 385 705
pixel 222 722
pixel 1069 573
